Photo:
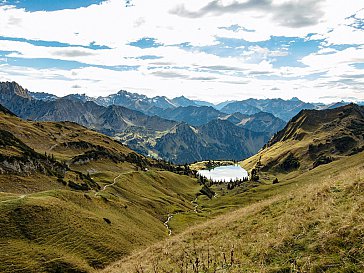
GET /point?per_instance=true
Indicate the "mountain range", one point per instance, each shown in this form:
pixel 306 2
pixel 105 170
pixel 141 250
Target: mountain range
pixel 161 127
pixel 149 134
pixel 283 109
pixel 218 139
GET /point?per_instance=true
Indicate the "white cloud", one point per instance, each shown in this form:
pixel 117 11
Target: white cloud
pixel 112 24
pixel 336 59
pixel 180 71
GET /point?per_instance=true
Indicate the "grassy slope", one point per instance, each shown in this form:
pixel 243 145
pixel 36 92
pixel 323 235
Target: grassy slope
pixel 49 136
pixel 312 222
pixel 320 129
pixel 46 227
pixel 41 231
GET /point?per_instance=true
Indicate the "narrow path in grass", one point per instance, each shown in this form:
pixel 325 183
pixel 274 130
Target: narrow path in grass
pixel 170 216
pixel 194 202
pixel 52 147
pixel 108 185
pixel 15 199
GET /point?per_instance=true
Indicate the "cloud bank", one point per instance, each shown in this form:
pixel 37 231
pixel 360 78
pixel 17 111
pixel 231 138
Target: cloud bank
pixel 210 49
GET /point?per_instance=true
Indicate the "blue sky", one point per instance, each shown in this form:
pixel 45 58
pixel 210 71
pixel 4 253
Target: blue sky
pixel 53 5
pixel 212 50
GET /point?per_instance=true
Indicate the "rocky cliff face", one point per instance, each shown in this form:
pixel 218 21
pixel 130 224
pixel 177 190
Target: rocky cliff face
pixel 11 89
pixel 216 140
pixel 14 97
pixel 261 122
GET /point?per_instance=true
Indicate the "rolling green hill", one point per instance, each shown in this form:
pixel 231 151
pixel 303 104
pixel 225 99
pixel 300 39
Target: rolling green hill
pixel 313 138
pixel 74 200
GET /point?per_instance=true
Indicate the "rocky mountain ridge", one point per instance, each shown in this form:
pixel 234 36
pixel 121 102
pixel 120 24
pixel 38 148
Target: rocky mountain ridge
pixel 283 109
pixel 144 133
pixel 313 138
pixel 209 141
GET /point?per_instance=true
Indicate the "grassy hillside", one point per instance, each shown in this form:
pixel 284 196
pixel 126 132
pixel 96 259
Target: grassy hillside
pixel 58 138
pixel 51 222
pixel 84 230
pixel 313 138
pixel 68 231
pixel 310 223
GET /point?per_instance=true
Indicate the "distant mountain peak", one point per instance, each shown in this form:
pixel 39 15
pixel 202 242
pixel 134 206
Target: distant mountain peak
pixel 128 94
pixel 122 92
pixel 283 109
pixel 14 89
pixel 295 99
pixel 182 97
pixel 183 101
pixel 43 96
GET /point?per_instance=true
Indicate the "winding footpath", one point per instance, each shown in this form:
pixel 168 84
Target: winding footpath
pixel 194 202
pixel 52 147
pixel 170 216
pixel 108 185
pixel 15 199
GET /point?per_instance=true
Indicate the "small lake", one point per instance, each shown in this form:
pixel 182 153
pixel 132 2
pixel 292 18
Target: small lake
pixel 224 173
